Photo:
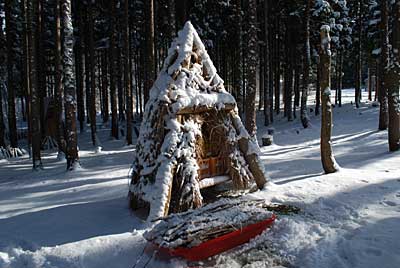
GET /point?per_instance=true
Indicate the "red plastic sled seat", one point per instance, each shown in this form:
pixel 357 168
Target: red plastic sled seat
pixel 223 243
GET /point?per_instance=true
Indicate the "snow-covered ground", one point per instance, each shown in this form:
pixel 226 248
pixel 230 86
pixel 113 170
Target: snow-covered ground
pixel 81 219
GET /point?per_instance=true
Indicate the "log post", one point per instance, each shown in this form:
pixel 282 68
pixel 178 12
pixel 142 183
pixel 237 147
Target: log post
pixel 328 160
pixel 251 157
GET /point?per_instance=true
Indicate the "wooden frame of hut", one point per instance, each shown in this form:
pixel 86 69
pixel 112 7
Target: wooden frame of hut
pixel 191 136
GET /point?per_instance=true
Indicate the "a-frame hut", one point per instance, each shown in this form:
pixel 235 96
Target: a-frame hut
pixel 191 136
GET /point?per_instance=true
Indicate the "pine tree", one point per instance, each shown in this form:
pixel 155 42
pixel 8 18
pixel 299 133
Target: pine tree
pixel 69 86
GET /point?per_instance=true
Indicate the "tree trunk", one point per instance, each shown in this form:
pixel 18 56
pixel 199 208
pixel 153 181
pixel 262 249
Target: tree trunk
pixel 69 86
pixel 296 86
pixel 238 85
pixel 150 64
pixel 121 95
pixel 2 128
pixel 113 91
pixel 79 45
pixel 92 71
pixel 383 95
pixel 41 65
pixel 318 88
pixel 252 60
pixel 369 82
pixel 358 62
pixel 2 83
pixel 33 34
pixel 328 161
pixel 305 120
pixel 11 83
pixel 25 68
pixel 340 83
pixel 261 76
pixel 277 68
pixel 58 83
pixel 104 86
pixel 128 89
pixel 289 69
pixel 392 81
pixel 267 78
pixel 87 64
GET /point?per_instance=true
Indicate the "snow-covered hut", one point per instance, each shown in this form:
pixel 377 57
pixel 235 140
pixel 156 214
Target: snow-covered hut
pixel 191 136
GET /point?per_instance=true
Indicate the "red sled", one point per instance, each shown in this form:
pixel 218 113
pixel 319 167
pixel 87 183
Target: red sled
pixel 223 243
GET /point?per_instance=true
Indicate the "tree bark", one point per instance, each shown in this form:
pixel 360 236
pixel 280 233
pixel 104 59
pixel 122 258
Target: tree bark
pixel 318 88
pixel 33 9
pixel 383 94
pixel 113 91
pixel 277 68
pixel 267 78
pixel 358 61
pixel 328 161
pixel 2 83
pixel 252 60
pixel 128 89
pixel 58 81
pixel 92 64
pixel 104 86
pixel 121 93
pixel 305 120
pixel 150 63
pixel 25 68
pixel 340 83
pixel 11 83
pixel 79 45
pixel 238 77
pixel 392 81
pixel 69 86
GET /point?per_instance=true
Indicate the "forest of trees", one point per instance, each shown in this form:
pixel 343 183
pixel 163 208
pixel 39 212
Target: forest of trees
pixel 64 62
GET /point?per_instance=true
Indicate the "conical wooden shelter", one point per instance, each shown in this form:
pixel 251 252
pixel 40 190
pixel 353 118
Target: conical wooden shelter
pixel 191 136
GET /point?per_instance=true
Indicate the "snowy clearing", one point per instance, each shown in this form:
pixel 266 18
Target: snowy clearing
pixel 81 219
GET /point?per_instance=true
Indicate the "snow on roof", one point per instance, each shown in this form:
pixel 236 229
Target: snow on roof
pixel 183 83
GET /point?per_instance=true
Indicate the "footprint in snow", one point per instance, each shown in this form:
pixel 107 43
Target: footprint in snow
pixel 398 194
pixel 365 181
pixel 389 203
